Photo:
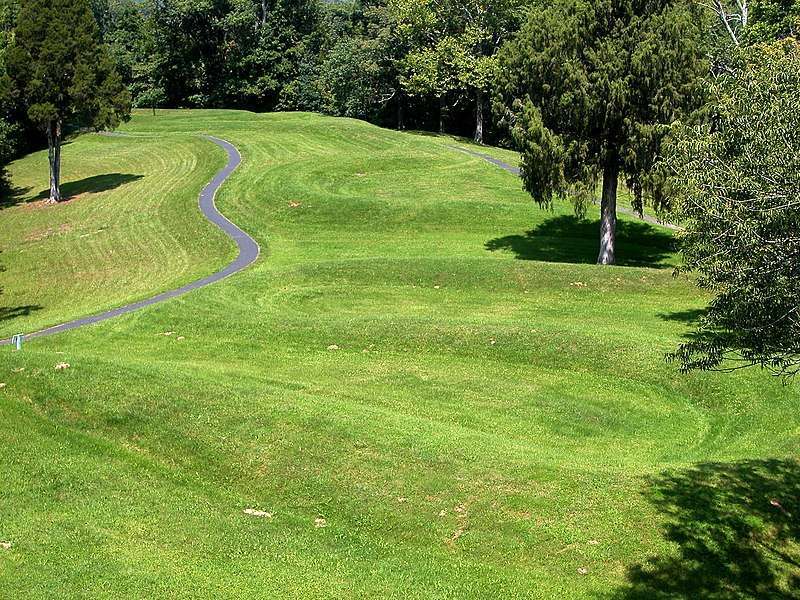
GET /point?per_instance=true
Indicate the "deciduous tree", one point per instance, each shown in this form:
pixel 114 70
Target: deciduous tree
pixel 755 21
pixel 736 182
pixel 452 48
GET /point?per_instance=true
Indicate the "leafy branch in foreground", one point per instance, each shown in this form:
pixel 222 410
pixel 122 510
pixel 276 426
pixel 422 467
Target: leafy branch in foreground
pixel 736 186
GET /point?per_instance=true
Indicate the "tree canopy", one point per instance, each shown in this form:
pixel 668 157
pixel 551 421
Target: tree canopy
pixel 589 89
pixel 453 48
pixel 737 190
pixel 62 74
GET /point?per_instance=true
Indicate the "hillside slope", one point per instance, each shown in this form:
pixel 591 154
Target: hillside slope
pixel 423 381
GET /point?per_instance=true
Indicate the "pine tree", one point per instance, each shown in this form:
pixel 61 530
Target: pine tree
pixel 589 90
pixel 63 75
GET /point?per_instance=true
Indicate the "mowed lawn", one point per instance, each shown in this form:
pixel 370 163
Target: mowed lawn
pixel 424 384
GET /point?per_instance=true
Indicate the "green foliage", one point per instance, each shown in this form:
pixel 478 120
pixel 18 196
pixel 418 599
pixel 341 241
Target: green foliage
pixel 342 58
pixel 737 189
pixel 9 129
pixel 61 71
pixel 349 65
pixel 747 22
pixel 240 53
pixel 352 79
pixel 8 19
pixel 452 45
pixel 305 90
pixel 772 20
pixel 590 85
pixel 9 132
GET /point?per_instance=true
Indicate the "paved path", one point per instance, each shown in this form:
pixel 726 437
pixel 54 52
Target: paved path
pixel 248 252
pixel 515 171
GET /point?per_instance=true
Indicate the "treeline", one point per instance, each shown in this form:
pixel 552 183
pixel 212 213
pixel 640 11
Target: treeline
pixel 401 63
pixel 423 64
pixel 429 64
pixel 691 103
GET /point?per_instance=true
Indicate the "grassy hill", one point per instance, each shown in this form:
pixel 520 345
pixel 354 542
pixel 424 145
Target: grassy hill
pixel 424 381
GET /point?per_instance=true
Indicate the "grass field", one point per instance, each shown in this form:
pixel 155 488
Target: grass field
pixel 424 382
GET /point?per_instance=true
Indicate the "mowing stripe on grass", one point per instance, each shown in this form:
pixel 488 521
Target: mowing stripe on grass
pixel 248 252
pixel 516 171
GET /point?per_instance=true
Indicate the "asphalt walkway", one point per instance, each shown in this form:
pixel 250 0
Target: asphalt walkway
pixel 248 253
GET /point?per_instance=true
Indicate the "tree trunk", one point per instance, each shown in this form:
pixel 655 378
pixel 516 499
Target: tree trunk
pixel 608 213
pixel 479 117
pixel 400 116
pixel 54 156
pixel 441 114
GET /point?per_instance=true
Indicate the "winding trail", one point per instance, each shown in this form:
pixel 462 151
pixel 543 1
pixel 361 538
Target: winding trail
pixel 515 171
pixel 249 249
pixel 248 252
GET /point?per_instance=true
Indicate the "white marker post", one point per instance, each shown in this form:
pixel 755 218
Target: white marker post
pixel 17 341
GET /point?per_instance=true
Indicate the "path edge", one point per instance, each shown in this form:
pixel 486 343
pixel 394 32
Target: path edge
pixel 249 250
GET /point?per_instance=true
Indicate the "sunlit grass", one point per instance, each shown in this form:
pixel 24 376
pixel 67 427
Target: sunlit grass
pixel 428 399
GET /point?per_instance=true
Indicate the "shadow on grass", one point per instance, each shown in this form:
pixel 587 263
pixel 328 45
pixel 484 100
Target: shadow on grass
pixel 690 317
pixel 11 195
pixel 71 189
pixel 9 313
pixel 569 239
pixel 736 527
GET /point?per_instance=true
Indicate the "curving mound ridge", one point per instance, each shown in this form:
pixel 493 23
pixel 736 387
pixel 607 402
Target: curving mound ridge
pixel 248 251
pixel 426 389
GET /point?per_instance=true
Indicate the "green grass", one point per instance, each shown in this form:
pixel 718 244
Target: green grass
pixel 497 416
pixel 131 227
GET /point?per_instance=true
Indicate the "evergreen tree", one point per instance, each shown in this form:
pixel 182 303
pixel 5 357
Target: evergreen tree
pixel 63 75
pixel 589 89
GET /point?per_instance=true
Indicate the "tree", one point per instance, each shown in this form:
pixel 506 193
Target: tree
pixel 589 89
pixel 452 48
pixel 422 30
pixel 352 80
pixel 225 53
pixel 771 20
pixel 736 183
pixel 755 21
pixel 9 130
pixel 475 61
pixel 8 133
pixel 349 65
pixel 429 71
pixel 63 74
pixel 733 18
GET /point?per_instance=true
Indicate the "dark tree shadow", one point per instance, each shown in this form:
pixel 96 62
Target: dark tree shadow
pixel 569 239
pixel 11 195
pixel 690 317
pixel 737 531
pixel 92 185
pixel 8 313
pixel 71 189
